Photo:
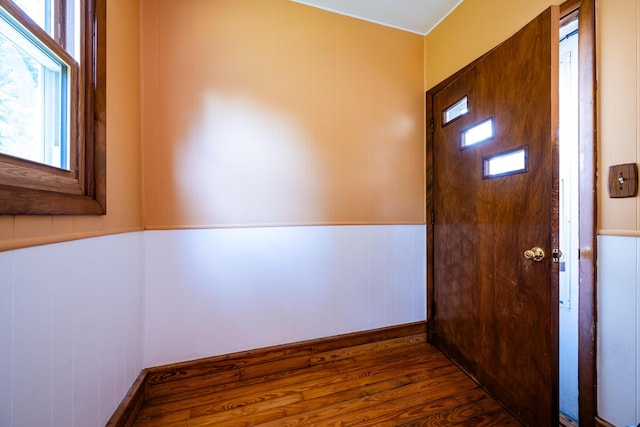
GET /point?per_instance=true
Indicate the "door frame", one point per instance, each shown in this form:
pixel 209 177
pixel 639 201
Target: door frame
pixel 587 386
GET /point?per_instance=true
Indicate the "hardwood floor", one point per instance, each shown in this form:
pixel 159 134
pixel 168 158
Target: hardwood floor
pixel 392 382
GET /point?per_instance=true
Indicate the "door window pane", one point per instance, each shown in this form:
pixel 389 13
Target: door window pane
pixel 505 163
pixel 476 134
pixel 458 109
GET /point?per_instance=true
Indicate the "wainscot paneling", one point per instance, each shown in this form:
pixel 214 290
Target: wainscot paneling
pixel 79 320
pixel 218 291
pixel 618 328
pixel 71 318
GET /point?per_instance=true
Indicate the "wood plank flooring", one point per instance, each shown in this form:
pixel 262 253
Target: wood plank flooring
pixel 393 382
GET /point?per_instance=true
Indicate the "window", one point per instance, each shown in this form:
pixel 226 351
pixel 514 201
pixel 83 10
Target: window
pixel 477 134
pixel 457 110
pixel 503 164
pixel 52 107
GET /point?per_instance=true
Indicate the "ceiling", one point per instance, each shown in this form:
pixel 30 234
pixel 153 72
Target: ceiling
pixel 416 16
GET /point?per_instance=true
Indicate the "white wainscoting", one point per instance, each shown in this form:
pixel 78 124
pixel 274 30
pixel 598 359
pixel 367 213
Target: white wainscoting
pixel 79 320
pixel 618 330
pixel 76 317
pixel 71 330
pixel 211 292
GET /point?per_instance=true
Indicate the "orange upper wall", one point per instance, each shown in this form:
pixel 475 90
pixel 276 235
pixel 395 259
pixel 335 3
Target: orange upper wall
pixel 472 29
pixel 618 113
pixel 123 146
pixel 476 26
pixel 269 112
pixel 320 115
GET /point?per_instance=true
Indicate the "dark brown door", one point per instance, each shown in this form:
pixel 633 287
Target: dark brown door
pixel 495 310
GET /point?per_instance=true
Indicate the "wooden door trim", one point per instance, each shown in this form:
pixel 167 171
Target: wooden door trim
pixel 587 376
pixel 587 315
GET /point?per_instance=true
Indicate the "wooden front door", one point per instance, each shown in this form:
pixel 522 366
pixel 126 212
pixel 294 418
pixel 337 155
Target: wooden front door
pixel 495 196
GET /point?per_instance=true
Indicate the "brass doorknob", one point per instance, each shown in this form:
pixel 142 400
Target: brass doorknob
pixel 537 254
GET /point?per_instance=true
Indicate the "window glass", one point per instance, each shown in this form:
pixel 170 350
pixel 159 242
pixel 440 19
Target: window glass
pixel 476 134
pixel 458 109
pixel 59 18
pixel 33 98
pixel 505 163
pixel 41 11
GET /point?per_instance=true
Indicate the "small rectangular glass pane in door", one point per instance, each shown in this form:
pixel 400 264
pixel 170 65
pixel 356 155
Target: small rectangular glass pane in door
pixel 476 134
pixel 505 163
pixel 458 109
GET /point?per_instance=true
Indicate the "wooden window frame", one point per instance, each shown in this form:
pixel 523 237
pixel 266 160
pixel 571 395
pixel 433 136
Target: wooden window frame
pixel 28 188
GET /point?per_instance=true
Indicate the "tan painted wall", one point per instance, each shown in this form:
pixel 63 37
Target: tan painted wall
pixel 472 29
pixel 619 95
pixel 123 147
pixel 478 25
pixel 270 112
pixel 307 80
